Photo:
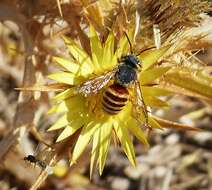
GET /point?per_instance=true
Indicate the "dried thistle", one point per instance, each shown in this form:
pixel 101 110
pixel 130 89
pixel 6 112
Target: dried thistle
pixel 171 16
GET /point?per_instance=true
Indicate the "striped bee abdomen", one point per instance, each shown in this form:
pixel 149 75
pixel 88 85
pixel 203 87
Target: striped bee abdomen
pixel 114 99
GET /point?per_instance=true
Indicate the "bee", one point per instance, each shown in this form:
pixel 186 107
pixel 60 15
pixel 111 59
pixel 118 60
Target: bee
pixel 32 159
pixel 116 96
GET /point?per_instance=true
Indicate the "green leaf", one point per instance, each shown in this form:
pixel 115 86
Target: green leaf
pixel 150 75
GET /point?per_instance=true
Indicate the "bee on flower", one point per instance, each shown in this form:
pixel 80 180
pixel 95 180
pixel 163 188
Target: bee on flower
pixel 109 92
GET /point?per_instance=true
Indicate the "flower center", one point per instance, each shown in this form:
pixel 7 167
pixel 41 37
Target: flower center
pixel 93 103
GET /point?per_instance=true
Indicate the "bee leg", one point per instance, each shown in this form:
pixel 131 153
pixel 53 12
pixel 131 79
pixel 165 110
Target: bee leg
pixel 145 126
pixel 136 117
pixel 145 111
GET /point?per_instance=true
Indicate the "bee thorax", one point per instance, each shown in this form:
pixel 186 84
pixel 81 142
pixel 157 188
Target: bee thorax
pixel 125 75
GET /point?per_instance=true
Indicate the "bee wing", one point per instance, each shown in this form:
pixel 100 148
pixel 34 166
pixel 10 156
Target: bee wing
pixel 94 85
pixel 139 104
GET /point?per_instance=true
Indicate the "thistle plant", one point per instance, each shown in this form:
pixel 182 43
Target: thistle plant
pixel 85 113
pixel 97 34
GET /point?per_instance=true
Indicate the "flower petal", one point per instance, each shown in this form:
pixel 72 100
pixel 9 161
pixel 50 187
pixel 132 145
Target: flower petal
pixel 63 77
pixel 154 91
pixel 60 123
pixel 123 45
pixel 65 94
pixel 153 123
pixel 108 61
pixel 70 129
pixel 174 125
pixel 150 57
pixel 81 57
pixel 58 108
pixel 65 133
pixel 95 150
pixel 155 102
pixel 148 76
pixel 69 65
pixel 96 48
pixel 105 136
pixel 83 140
pixel 73 103
pixel 125 141
pixel 96 63
pixel 78 53
pixel 136 130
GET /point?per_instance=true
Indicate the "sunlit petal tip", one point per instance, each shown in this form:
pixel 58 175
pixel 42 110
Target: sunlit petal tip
pixel 69 65
pixel 65 134
pixel 51 110
pixel 53 128
pixel 154 124
pixel 72 162
pixel 150 75
pixel 64 77
pixel 150 57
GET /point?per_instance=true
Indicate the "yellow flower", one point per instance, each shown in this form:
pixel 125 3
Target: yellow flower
pixel 85 113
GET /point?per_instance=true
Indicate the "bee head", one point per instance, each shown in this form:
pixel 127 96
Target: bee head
pixel 132 61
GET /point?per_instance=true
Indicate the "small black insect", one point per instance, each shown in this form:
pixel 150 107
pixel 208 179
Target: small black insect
pixel 32 159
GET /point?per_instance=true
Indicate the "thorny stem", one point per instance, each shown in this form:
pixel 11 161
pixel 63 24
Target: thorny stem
pixel 42 177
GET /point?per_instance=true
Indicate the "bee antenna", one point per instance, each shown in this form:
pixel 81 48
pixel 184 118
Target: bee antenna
pixel 131 50
pixel 143 50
